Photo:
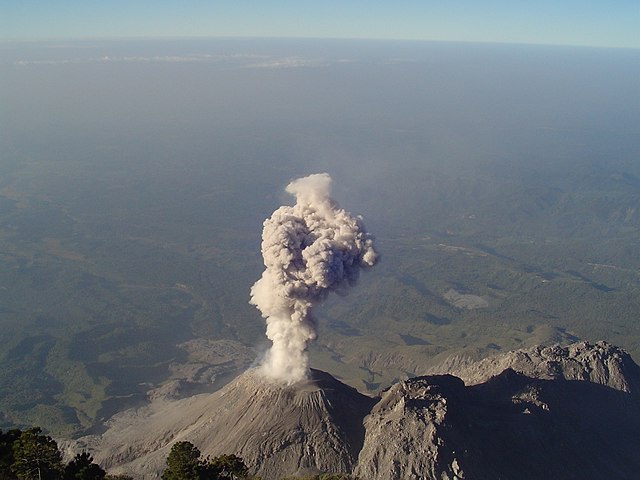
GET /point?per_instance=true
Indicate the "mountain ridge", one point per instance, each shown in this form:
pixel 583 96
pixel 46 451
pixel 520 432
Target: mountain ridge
pixel 570 412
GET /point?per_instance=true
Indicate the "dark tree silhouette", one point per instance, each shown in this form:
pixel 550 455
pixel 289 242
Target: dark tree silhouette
pixel 83 468
pixel 6 453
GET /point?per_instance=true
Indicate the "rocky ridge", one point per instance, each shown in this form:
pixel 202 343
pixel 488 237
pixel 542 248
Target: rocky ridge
pixel 599 363
pixel 548 412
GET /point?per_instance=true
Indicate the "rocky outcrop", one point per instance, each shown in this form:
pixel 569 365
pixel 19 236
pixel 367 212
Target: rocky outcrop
pixel 404 431
pixel 554 412
pixel 510 427
pixel 600 363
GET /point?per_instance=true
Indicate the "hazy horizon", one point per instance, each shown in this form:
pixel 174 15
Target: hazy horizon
pixel 597 23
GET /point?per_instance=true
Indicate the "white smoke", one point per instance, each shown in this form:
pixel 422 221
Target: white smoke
pixel 309 250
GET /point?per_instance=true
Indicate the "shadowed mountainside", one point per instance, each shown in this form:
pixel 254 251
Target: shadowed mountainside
pixel 511 427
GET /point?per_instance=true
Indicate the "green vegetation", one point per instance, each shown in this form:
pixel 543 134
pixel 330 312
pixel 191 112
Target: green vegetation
pixel 32 455
pixel 184 463
pixel 36 456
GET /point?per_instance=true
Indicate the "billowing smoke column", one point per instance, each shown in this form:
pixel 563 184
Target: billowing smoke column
pixel 309 250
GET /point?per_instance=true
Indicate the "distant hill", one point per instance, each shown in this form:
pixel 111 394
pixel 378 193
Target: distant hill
pixel 554 412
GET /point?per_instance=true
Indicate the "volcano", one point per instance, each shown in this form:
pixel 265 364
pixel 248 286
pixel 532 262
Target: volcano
pixel 315 425
pixel 548 412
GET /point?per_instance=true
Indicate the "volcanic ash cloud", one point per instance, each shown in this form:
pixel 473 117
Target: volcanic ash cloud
pixel 309 250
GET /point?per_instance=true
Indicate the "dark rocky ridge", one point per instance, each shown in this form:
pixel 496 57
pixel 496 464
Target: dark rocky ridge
pixel 556 412
pixel 510 427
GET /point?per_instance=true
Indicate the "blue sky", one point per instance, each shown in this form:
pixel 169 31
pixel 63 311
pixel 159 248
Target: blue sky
pixel 613 23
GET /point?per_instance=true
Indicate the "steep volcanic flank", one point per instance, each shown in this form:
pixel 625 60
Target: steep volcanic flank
pixel 557 412
pixel 313 425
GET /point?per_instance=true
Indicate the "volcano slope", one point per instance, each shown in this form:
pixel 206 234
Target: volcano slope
pixel 313 426
pixel 555 412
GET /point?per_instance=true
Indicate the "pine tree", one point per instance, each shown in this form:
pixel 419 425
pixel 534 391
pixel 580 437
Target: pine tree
pixel 183 462
pixel 36 457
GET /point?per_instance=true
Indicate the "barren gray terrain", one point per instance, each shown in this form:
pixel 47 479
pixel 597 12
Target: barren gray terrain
pixel 555 412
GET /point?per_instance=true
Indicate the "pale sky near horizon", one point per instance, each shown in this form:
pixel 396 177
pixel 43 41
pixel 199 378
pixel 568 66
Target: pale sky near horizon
pixel 612 23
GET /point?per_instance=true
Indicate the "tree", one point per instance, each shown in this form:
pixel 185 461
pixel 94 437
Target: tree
pixel 6 453
pixel 183 462
pixel 225 467
pixel 83 468
pixel 36 456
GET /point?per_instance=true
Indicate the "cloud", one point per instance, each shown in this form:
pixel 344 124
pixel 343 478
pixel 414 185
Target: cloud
pixel 309 250
pixel 191 58
pixel 290 62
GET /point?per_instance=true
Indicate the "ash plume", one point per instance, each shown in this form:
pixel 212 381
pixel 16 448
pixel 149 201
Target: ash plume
pixel 309 249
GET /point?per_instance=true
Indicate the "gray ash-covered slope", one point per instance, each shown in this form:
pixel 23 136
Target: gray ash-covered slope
pixel 314 425
pixel 556 412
